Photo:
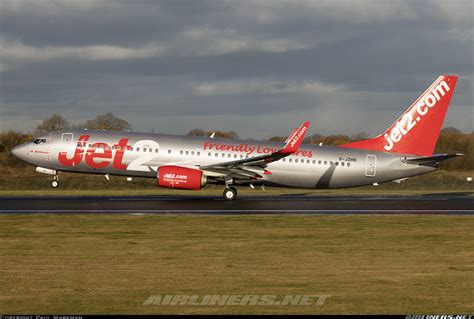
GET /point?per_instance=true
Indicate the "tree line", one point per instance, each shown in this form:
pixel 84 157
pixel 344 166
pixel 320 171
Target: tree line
pixel 56 122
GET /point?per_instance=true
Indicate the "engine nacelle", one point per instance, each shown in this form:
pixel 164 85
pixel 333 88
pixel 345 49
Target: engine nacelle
pixel 181 177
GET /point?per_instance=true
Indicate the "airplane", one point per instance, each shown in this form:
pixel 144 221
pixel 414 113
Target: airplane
pixel 404 150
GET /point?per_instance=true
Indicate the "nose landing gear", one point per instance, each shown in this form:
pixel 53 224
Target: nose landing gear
pixel 55 182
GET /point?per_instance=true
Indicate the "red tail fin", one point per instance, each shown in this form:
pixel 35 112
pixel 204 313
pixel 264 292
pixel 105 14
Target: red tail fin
pixel 417 130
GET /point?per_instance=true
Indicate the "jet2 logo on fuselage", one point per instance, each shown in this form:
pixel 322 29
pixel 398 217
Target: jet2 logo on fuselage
pixel 99 154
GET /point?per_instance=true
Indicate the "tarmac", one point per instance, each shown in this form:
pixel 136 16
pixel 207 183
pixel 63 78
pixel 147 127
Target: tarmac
pixel 448 204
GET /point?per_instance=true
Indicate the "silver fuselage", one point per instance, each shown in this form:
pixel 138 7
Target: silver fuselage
pixel 141 154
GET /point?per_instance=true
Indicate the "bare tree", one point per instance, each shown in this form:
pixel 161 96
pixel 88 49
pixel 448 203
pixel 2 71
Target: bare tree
pixel 53 123
pixel 10 139
pixel 360 136
pixel 277 138
pixel 197 132
pixel 107 121
pixel 450 130
pixel 313 139
pixel 223 134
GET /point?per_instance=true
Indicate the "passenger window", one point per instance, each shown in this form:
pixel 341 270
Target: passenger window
pixel 192 153
pixel 169 151
pixel 348 164
pixel 187 152
pixel 296 160
pixel 180 152
pixel 342 164
pixel 319 162
pixel 325 162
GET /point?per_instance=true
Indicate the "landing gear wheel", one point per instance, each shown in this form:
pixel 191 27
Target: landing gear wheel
pixel 230 193
pixel 54 184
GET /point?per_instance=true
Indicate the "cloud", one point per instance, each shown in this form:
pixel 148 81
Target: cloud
pixel 171 65
pixel 50 6
pixel 18 52
pixel 342 11
pixel 262 86
pixel 202 41
pixel 191 42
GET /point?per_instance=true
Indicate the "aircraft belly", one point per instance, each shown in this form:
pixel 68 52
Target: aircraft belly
pixel 327 177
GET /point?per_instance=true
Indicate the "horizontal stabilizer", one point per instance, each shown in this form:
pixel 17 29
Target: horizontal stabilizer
pixel 429 159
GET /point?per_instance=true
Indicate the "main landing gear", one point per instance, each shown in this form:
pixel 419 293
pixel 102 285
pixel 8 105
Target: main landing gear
pixel 230 193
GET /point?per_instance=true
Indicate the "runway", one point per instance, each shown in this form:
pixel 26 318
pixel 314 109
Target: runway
pixel 457 204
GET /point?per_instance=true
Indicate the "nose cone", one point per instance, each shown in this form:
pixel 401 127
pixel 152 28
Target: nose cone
pixel 19 151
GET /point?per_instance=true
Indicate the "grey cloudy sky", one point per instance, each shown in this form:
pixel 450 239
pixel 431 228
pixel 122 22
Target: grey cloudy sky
pixel 257 67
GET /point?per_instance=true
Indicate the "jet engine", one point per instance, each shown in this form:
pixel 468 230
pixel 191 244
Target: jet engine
pixel 181 177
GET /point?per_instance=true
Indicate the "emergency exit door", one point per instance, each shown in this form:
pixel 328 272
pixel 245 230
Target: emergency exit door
pixel 371 165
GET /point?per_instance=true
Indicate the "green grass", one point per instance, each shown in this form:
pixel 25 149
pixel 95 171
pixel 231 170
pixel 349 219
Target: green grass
pixel 94 264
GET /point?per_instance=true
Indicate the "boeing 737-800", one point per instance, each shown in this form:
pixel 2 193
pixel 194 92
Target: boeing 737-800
pixel 186 162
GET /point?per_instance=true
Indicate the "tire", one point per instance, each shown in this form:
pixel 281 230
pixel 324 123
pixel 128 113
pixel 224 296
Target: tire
pixel 230 193
pixel 54 184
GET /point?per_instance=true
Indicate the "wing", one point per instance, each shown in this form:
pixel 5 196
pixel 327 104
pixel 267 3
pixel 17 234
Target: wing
pixel 254 167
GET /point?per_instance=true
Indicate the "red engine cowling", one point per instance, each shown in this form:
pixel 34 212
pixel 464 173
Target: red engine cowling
pixel 181 177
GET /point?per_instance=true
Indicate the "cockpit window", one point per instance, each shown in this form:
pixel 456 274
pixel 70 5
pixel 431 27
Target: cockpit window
pixel 39 141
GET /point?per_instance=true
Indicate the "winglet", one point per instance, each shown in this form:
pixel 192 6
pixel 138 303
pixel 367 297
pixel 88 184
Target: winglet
pixel 293 141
